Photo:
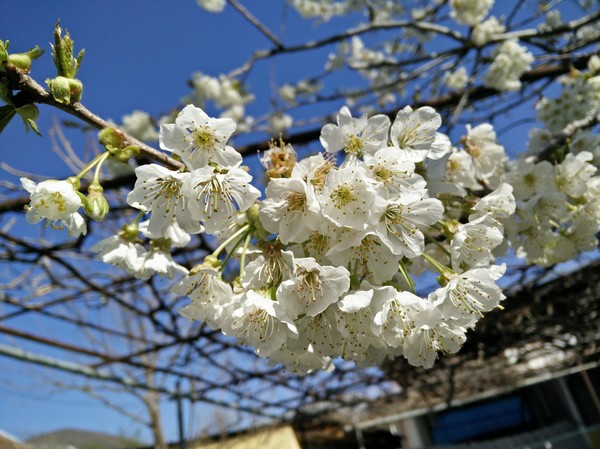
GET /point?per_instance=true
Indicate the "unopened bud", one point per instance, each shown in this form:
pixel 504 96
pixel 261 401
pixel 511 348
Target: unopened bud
pixel 254 220
pixel 96 206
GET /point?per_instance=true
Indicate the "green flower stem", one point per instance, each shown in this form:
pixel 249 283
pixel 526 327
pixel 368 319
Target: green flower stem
pixel 405 274
pixel 244 235
pixel 101 160
pixel 244 251
pixel 223 245
pixel 91 165
pixel 444 271
pixel 438 244
pixel 138 218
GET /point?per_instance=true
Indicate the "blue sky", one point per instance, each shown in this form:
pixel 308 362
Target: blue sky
pixel 139 55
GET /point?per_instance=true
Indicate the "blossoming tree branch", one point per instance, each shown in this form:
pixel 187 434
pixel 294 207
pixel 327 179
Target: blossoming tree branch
pixel 328 262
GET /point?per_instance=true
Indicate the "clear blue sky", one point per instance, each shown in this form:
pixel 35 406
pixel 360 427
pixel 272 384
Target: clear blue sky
pixel 139 55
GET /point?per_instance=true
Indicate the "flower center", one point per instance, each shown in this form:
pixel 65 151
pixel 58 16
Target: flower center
pixel 204 138
pixel 355 145
pixel 310 285
pixel 296 202
pixel 342 196
pixel 54 201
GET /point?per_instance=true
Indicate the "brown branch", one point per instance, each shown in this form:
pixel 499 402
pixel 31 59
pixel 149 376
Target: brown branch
pixel 441 102
pixel 37 94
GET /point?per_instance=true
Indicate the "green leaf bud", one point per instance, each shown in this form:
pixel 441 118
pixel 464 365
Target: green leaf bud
pixel 112 139
pixel 22 61
pixel 65 90
pixel 96 206
pixel 60 90
pixel 76 87
pixel 66 65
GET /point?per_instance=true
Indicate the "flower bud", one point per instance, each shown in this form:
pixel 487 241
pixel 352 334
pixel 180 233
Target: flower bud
pixel 112 139
pixel 254 221
pixel 96 206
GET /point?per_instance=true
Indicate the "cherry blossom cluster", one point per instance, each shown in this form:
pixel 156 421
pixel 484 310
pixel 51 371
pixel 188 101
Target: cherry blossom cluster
pixel 327 261
pixel 327 264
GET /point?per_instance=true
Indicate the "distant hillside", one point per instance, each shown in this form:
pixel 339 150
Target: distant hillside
pixel 82 439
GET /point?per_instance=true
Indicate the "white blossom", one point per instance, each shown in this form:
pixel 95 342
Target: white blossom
pixel 511 60
pixel 472 292
pixel 489 158
pixel 574 173
pixel 208 292
pixel 261 323
pixel 212 5
pixel 290 209
pixel 119 251
pixel 457 79
pixel 415 132
pixel 473 243
pixel 139 125
pixel 215 193
pixel 57 202
pixel 396 175
pixel 400 224
pixel 349 198
pixel 312 288
pixel 200 139
pixel 356 136
pixel 431 334
pixel 470 12
pixel 161 191
pixel 483 32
